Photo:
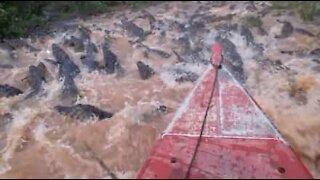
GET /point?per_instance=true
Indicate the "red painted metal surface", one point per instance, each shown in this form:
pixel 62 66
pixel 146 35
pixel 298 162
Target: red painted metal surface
pixel 238 140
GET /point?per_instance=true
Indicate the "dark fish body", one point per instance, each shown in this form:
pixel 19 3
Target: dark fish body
pixel 133 29
pixel 83 112
pixel 145 70
pixel 286 30
pixel 304 32
pixel 110 60
pixel 89 59
pixel 35 79
pixel 185 76
pixel 76 43
pixel 232 60
pixel 9 91
pixel 68 70
pixel 69 89
pixel 6 66
pixel 247 34
pixel 315 52
pixel 66 66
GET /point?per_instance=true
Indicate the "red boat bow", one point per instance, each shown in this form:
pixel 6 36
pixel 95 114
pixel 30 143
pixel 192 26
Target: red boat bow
pixel 237 139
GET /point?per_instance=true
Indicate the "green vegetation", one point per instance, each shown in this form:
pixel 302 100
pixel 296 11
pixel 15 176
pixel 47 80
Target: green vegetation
pixel 19 18
pixel 253 21
pixel 139 4
pixel 306 9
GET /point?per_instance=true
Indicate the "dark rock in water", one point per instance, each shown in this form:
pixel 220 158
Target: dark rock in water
pixel 76 43
pixel 286 31
pixel 6 66
pixel 35 78
pixel 9 91
pixel 182 76
pixel 145 71
pixel 83 112
pixel 247 34
pixel 66 66
pixel 232 60
pixel 315 52
pixel 133 29
pixel 304 32
pixel 110 59
pixel 89 60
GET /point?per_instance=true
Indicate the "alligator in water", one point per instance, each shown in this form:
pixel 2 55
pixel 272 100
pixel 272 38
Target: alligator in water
pixel 83 112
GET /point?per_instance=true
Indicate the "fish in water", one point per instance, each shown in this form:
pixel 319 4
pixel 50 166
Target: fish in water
pixel 111 61
pixel 182 76
pixel 9 91
pixel 68 70
pixel 35 79
pixel 155 51
pixel 286 30
pixel 145 70
pixel 247 34
pixel 232 60
pixel 66 66
pixel 89 60
pixel 83 112
pixel 76 43
pixel 6 66
pixel 133 29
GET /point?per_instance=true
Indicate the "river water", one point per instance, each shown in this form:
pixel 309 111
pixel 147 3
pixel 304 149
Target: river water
pixel 38 142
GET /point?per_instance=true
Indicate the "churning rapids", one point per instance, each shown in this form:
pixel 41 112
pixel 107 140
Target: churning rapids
pixel 89 99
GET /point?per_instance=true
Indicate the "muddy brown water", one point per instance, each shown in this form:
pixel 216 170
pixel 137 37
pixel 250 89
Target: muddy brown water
pixel 40 143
